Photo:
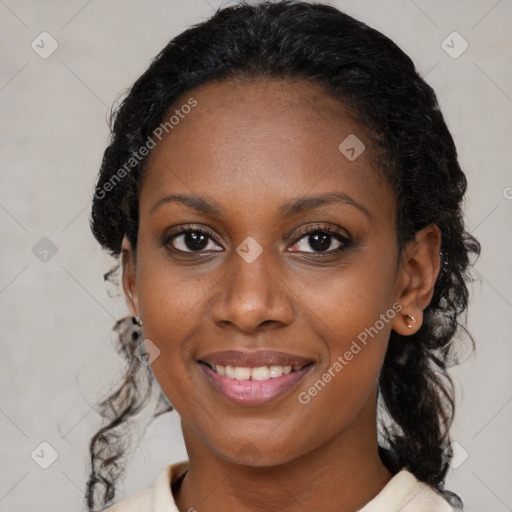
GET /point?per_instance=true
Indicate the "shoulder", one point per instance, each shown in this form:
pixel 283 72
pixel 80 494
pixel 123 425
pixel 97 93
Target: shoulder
pixel 158 498
pixel 140 502
pixel 407 494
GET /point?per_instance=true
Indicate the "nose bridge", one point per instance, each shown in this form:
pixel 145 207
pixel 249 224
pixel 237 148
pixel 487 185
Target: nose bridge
pixel 252 292
pixel 251 271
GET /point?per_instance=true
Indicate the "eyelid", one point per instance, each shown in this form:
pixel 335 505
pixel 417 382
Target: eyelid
pixel 178 230
pixel 316 227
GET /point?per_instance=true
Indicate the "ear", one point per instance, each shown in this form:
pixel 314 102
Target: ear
pixel 129 276
pixel 417 275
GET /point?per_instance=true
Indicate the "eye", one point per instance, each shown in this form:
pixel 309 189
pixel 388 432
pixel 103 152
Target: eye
pixel 191 240
pixel 322 239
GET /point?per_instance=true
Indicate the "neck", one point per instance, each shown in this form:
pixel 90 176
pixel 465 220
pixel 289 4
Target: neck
pixel 343 474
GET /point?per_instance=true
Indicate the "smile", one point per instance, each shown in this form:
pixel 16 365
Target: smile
pixel 253 378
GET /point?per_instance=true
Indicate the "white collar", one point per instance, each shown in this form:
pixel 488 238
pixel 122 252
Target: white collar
pixel 403 492
pixel 407 494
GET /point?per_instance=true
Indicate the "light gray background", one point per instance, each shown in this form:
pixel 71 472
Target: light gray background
pixel 57 356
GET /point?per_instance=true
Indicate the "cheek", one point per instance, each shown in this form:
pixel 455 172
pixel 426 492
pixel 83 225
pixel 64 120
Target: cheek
pixel 171 298
pixel 171 302
pixel 350 302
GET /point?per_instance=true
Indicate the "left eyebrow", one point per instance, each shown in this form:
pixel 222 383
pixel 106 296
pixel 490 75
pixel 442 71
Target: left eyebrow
pixel 306 203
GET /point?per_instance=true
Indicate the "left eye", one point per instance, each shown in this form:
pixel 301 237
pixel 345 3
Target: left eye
pixel 321 241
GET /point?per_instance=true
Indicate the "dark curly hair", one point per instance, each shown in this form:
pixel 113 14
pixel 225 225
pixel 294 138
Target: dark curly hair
pixel 366 71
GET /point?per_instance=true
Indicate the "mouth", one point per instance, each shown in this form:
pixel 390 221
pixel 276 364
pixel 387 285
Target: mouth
pixel 254 378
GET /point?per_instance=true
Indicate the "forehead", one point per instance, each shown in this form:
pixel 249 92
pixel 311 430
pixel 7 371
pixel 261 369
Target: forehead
pixel 265 140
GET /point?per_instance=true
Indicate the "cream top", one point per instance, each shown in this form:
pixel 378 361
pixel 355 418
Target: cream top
pixel 402 493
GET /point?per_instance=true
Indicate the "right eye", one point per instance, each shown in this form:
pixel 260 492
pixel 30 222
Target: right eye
pixel 191 240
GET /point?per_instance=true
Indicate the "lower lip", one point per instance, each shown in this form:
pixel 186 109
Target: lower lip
pixel 253 392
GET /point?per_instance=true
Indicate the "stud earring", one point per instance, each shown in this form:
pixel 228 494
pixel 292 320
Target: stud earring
pixel 137 321
pixel 409 321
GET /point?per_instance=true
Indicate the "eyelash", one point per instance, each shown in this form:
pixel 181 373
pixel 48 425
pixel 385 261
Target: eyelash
pixel 345 242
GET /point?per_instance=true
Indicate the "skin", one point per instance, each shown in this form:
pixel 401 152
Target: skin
pixel 252 147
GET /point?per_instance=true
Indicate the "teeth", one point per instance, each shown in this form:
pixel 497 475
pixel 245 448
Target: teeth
pixel 257 373
pixel 260 373
pixel 242 373
pixel 276 371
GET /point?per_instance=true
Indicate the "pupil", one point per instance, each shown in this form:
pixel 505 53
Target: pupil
pixel 321 241
pixel 195 241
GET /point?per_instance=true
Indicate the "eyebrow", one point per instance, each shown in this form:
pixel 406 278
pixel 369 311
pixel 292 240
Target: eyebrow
pixel 288 209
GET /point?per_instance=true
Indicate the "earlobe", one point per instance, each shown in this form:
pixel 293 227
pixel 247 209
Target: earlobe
pixel 417 275
pixel 408 323
pixel 129 276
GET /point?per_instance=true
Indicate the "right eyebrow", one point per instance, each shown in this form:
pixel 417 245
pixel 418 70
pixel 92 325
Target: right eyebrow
pixel 198 203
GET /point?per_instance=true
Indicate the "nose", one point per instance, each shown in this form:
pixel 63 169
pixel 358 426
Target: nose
pixel 253 295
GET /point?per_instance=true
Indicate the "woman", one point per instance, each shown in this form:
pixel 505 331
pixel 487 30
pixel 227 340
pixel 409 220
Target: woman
pixel 285 200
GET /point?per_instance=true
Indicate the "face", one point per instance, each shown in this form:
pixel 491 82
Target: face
pixel 264 245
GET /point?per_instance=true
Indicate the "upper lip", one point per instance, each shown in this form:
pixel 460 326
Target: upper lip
pixel 254 359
